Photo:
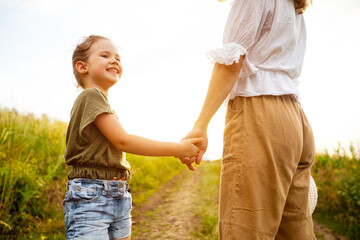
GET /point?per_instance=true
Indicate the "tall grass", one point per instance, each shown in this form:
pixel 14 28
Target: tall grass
pixel 33 176
pixel 32 173
pixel 338 182
pixel 207 201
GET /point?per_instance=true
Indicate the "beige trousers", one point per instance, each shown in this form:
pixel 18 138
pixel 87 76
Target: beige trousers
pixel 265 176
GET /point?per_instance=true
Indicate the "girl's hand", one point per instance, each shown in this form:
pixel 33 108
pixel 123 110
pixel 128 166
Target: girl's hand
pixel 188 147
pixel 196 132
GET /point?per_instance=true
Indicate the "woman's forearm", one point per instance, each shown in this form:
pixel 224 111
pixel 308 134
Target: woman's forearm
pixel 222 81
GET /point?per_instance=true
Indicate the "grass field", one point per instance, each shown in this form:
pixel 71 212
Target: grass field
pixel 338 182
pixel 33 178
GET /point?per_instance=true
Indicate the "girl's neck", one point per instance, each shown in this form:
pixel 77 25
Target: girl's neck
pixel 93 85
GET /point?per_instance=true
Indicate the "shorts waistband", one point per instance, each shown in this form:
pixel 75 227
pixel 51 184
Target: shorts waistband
pixel 107 187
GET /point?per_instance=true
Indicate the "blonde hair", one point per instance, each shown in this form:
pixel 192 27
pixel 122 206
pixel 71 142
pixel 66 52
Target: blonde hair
pixel 81 53
pixel 301 5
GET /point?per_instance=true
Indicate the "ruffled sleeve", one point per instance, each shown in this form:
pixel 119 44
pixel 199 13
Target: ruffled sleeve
pixel 228 54
pixel 242 29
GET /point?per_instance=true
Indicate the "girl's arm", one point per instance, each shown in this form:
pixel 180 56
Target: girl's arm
pixel 110 126
pixel 222 80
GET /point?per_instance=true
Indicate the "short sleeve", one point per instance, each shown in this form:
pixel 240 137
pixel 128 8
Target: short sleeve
pixel 242 28
pixel 91 103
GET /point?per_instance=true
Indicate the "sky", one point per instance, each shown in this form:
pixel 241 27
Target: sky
pixel 163 46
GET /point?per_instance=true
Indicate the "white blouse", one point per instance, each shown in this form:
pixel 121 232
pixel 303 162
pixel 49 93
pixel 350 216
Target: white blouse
pixel 272 36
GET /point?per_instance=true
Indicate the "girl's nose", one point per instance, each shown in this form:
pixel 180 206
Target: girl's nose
pixel 113 60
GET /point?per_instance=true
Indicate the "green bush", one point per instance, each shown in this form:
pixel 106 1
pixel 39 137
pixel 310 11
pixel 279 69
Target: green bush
pixel 338 182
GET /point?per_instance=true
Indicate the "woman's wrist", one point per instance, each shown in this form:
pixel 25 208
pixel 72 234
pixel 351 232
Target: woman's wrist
pixel 202 125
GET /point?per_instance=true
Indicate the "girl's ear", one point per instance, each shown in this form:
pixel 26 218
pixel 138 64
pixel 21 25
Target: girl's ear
pixel 81 67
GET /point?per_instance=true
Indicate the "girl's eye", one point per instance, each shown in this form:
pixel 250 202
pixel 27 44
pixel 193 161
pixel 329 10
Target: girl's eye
pixel 118 59
pixel 104 56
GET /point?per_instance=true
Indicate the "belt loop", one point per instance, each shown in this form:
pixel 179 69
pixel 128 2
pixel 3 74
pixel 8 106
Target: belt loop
pixel 71 185
pixel 106 186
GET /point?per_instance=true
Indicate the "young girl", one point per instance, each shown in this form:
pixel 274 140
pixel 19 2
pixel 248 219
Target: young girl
pixel 97 204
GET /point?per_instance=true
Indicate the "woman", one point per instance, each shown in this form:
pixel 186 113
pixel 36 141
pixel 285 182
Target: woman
pixel 268 142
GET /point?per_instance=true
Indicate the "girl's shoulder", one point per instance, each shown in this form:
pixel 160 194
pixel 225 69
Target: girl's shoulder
pixel 91 99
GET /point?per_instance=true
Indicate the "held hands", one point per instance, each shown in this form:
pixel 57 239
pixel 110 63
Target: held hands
pixel 195 133
pixel 188 147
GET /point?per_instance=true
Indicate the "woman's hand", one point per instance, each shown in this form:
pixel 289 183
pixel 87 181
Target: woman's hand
pixel 188 147
pixel 202 145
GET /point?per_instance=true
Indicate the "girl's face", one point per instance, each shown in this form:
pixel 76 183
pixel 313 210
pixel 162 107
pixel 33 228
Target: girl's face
pixel 104 65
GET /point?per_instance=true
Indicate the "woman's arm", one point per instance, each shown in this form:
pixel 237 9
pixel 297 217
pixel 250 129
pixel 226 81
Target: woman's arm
pixel 110 126
pixel 222 80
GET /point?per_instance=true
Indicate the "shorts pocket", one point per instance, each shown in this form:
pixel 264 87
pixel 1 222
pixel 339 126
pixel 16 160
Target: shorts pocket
pixel 82 204
pixel 69 208
pixel 86 194
pixel 125 205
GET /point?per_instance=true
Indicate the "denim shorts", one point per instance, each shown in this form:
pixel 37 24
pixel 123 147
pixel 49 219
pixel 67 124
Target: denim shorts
pixel 97 209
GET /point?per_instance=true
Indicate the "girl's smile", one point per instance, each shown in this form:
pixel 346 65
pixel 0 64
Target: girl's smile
pixel 113 70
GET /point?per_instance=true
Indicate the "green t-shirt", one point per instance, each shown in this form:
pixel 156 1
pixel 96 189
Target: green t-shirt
pixel 90 153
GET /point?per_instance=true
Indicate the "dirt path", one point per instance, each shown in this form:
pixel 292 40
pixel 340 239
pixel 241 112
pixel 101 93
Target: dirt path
pixel 324 233
pixel 169 214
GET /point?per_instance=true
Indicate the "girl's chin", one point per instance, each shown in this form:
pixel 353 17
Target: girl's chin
pixel 113 80
pixel 113 77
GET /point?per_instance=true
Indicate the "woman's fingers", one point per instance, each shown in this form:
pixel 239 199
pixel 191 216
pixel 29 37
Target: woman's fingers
pixel 195 140
pixel 191 167
pixel 200 142
pixel 202 145
pixel 199 156
pixel 184 159
pixel 188 162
